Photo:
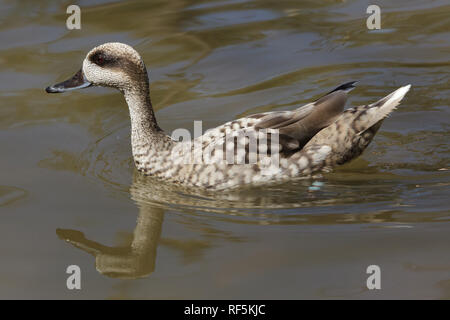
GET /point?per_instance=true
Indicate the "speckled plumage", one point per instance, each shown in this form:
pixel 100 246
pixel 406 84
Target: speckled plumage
pixel 289 144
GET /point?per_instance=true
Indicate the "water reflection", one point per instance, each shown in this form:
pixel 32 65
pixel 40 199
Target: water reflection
pixel 9 195
pixel 285 204
pixel 134 261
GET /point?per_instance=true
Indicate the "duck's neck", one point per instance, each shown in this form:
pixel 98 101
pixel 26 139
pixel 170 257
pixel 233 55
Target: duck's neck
pixel 145 132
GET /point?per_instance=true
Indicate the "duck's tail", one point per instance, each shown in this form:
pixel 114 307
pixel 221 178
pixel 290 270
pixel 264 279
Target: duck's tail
pixel 379 110
pixel 352 132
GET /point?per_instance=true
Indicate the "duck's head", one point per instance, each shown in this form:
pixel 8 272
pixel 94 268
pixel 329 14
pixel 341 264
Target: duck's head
pixel 113 64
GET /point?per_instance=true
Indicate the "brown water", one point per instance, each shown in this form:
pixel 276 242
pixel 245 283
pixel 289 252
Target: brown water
pixel 69 193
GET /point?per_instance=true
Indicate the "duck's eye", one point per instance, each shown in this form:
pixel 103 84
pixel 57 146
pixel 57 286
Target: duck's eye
pixel 99 59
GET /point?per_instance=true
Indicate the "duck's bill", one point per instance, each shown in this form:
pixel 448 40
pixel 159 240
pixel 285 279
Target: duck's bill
pixel 78 81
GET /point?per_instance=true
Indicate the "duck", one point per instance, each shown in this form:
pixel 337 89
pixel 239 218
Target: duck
pixel 263 148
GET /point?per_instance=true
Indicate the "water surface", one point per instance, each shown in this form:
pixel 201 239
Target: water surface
pixel 69 193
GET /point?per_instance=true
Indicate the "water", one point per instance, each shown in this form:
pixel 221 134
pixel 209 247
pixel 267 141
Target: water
pixel 69 193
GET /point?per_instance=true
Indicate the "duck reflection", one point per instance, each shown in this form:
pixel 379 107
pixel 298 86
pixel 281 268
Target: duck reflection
pixel 138 259
pixel 252 205
pixel 135 261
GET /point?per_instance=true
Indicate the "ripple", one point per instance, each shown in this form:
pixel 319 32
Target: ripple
pixel 328 199
pixel 231 18
pixel 8 195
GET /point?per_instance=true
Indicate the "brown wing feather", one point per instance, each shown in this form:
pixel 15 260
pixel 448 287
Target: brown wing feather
pixel 297 127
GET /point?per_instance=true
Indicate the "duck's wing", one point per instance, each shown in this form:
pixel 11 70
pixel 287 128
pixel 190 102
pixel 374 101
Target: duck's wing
pixel 295 128
pixel 324 111
pixel 292 129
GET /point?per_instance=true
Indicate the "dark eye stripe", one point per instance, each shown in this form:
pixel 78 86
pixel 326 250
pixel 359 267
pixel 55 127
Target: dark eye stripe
pixel 99 58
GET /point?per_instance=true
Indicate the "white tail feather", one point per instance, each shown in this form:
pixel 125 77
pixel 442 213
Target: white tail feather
pixel 383 107
pixel 395 97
